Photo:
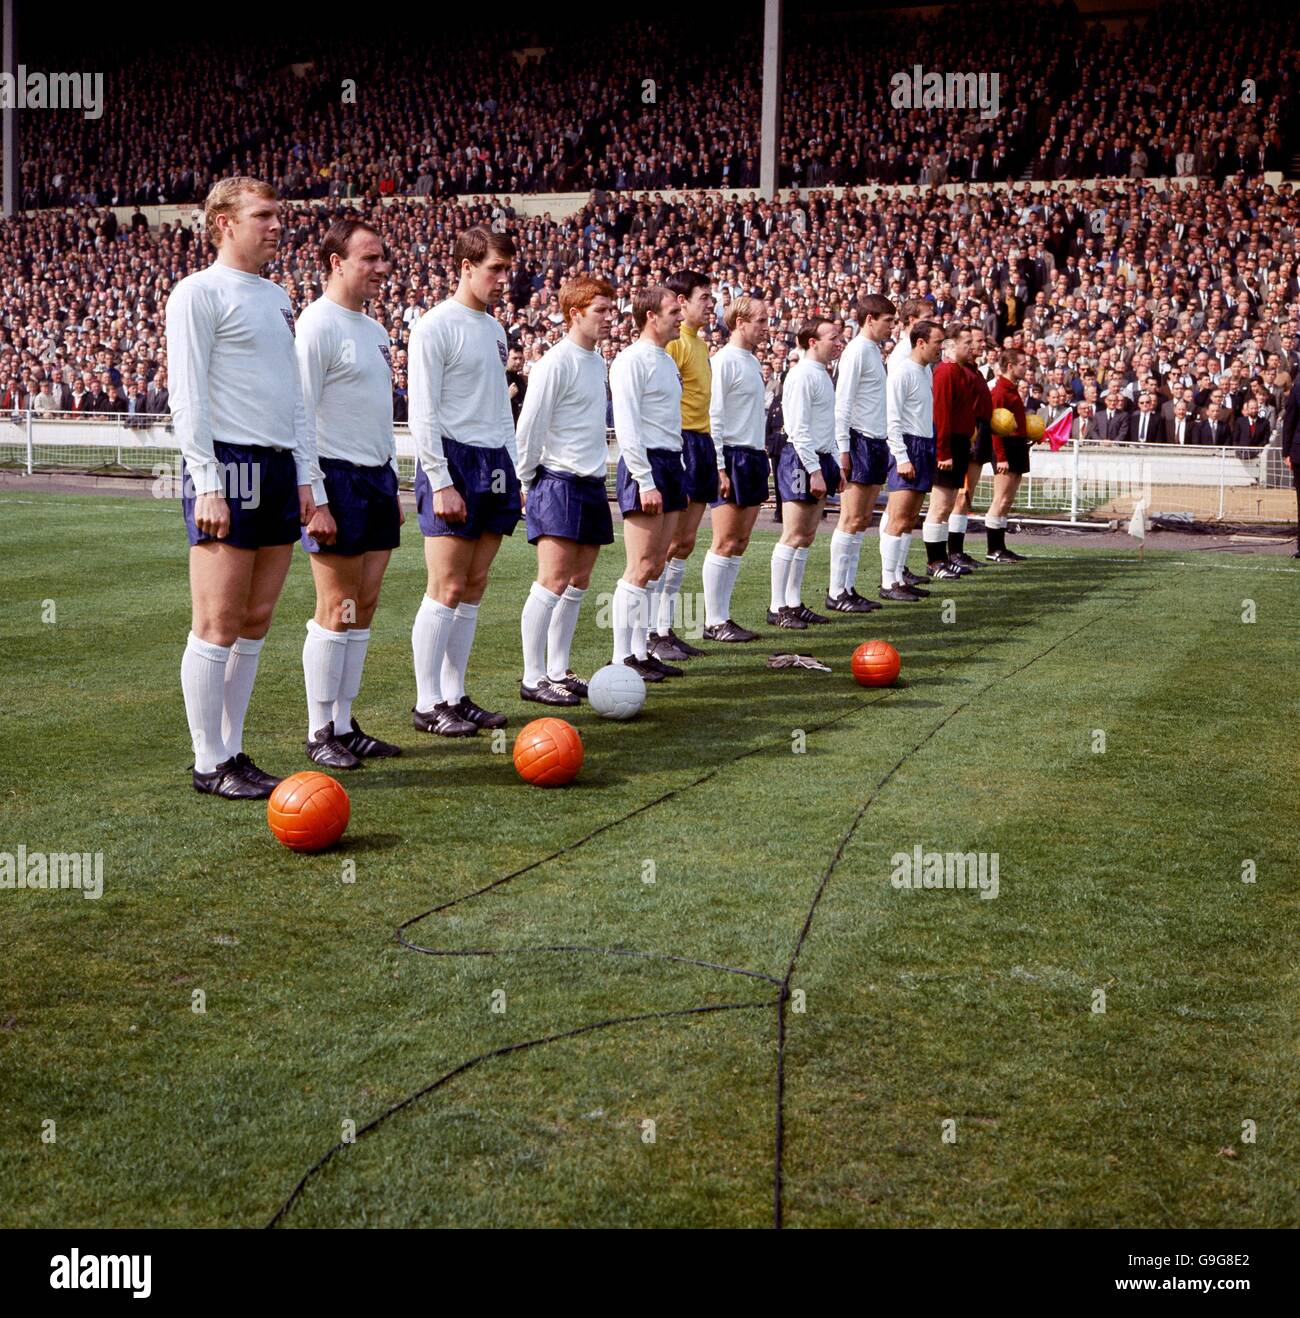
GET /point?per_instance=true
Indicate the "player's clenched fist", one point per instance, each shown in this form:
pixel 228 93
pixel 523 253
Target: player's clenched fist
pixel 212 515
pixel 448 505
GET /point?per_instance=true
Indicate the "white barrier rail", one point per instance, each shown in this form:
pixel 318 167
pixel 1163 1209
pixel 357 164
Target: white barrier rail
pixel 1083 481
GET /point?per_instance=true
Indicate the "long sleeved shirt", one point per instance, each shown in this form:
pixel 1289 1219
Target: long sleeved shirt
pixel 562 421
pixel 347 384
pixel 954 406
pixel 910 400
pixel 980 391
pixel 233 374
pixel 984 409
pixel 1005 394
pixel 457 385
pixel 809 403
pixel 647 396
pixel 690 354
pixel 737 411
pixel 860 392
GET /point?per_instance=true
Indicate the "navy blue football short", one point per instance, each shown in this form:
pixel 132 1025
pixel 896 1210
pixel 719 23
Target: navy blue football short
pixel 700 464
pixel 669 478
pixel 920 452
pixel 485 478
pixel 792 480
pixel 363 503
pixel 570 507
pixel 870 459
pixel 748 470
pixel 260 485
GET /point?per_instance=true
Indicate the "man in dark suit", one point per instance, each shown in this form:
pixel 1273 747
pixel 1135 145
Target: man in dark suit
pixel 1216 429
pixel 1110 425
pixel 1146 425
pixel 516 380
pixel 156 398
pixel 1291 448
pixel 1184 428
pixel 1250 430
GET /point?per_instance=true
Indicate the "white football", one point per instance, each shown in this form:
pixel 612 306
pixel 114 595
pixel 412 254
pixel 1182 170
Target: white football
pixel 616 691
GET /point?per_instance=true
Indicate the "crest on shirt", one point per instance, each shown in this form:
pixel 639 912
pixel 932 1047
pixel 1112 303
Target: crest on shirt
pixel 388 356
pixel 501 349
pixel 288 320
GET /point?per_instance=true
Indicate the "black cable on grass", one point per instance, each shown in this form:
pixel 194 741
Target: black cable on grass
pixel 783 997
pixel 400 935
pixel 483 1057
pixel 782 985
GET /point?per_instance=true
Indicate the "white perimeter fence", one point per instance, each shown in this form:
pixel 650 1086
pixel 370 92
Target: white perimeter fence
pixel 1080 482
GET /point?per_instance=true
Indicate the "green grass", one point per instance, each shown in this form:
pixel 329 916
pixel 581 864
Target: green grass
pixel 1118 871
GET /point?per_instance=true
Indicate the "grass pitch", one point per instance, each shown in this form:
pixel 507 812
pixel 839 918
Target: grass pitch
pixel 943 1058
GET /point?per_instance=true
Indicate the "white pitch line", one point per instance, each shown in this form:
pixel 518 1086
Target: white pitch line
pixel 1222 567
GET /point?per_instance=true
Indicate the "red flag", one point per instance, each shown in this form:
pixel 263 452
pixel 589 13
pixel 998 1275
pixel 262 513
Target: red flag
pixel 1058 433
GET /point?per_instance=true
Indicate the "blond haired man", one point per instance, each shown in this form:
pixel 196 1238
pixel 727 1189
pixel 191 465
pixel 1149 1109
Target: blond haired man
pixel 250 476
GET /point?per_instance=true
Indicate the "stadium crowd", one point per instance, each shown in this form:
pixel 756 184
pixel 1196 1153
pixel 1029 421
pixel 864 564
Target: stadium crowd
pixel 673 102
pixel 1183 303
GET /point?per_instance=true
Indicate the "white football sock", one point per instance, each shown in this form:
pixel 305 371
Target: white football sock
pixel 628 615
pixel 203 683
pixel 241 672
pixel 535 624
pixel 674 571
pixel 459 643
pixel 652 590
pixel 323 655
pixel 794 582
pixel 888 559
pixel 429 644
pixel 782 561
pixel 732 573
pixel 841 558
pixel 957 523
pixel 350 683
pixel 717 588
pixel 855 554
pixel 935 533
pixel 559 640
pixel 900 554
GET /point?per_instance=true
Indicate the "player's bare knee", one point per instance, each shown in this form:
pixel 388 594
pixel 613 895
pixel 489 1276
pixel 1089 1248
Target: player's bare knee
pixel 257 621
pixel 216 627
pixel 448 591
pixel 334 615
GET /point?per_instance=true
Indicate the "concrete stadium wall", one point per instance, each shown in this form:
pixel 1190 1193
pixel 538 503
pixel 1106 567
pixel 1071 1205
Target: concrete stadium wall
pixel 562 204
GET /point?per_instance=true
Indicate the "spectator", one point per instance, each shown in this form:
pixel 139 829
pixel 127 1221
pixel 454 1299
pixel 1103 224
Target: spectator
pixel 516 380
